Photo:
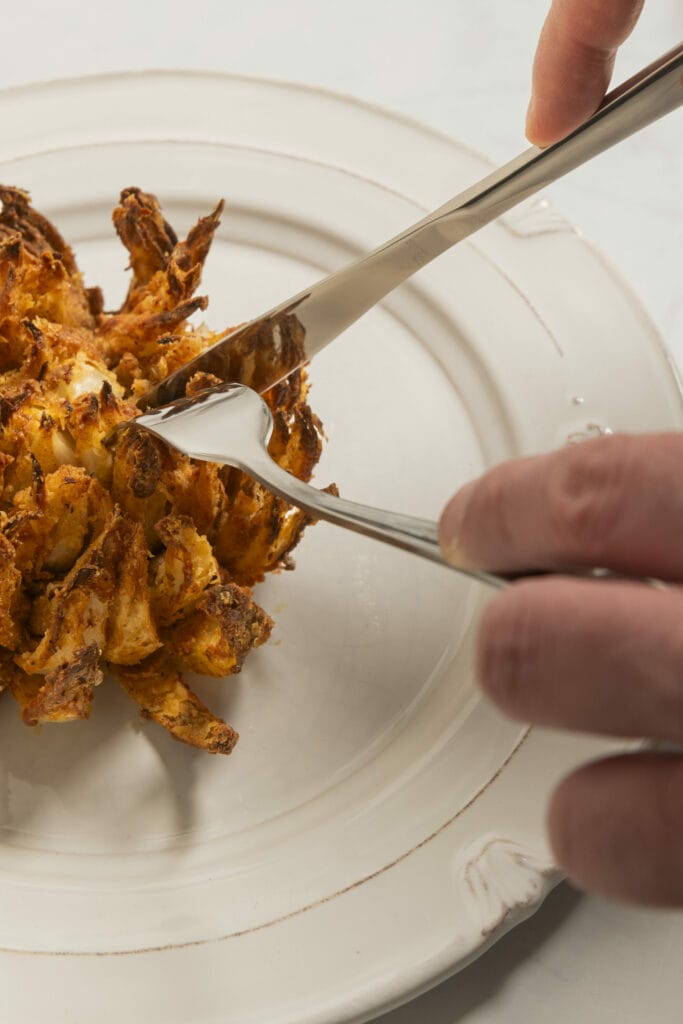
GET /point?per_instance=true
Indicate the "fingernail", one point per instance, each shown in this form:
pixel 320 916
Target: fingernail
pixel 450 526
pixel 529 125
pixel 534 136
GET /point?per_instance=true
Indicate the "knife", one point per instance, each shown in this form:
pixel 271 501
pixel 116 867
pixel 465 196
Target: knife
pixel 294 331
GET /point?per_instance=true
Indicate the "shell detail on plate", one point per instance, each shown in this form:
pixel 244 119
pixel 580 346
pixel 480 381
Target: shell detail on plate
pixel 498 877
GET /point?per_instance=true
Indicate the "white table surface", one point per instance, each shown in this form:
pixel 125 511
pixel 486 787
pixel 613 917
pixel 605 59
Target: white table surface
pixel 462 66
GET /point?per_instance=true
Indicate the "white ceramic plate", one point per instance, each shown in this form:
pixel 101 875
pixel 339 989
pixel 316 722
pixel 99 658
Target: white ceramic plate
pixel 378 825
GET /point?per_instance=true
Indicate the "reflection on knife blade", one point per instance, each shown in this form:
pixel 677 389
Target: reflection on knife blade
pixel 258 354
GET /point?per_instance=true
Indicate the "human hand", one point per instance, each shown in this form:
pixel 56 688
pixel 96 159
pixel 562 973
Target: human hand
pixel 599 656
pixel 574 62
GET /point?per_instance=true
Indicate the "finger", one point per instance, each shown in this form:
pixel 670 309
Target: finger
pixel 616 828
pixel 602 657
pixel 615 502
pixel 574 62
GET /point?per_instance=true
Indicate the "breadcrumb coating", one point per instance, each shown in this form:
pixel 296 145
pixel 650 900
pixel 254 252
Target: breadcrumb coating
pixel 137 562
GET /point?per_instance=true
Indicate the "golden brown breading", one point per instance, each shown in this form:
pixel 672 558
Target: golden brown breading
pixel 216 637
pixel 158 688
pixel 184 570
pixel 137 559
pixel 151 324
pixel 79 607
pixel 12 602
pixel 62 695
pixel 52 520
pixel 131 628
pixel 38 275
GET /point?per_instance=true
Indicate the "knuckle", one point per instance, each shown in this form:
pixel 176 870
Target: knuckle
pixel 508 651
pixel 586 495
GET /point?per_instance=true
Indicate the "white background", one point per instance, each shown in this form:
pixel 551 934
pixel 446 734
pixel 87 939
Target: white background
pixel 462 66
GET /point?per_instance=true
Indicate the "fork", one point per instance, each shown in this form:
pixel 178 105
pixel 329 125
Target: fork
pixel 230 424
